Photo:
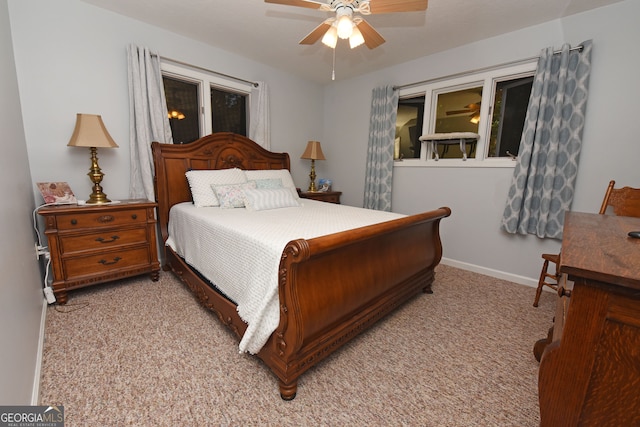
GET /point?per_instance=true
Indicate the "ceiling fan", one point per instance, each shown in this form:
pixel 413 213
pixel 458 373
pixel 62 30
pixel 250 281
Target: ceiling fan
pixel 347 26
pixel 473 109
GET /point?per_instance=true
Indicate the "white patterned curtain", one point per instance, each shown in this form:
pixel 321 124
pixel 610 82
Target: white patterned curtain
pixel 259 126
pixel 543 181
pixel 148 120
pixel 382 132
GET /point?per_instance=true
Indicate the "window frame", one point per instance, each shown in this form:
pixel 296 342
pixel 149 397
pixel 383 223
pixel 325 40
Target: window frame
pixel 205 81
pixel 432 88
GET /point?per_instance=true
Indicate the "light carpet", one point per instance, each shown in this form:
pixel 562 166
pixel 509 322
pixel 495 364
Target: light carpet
pixel 143 353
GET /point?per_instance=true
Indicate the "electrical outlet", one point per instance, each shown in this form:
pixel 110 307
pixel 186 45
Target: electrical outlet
pixel 41 250
pixel 48 292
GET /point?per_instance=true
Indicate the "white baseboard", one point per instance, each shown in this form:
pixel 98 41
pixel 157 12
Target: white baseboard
pixel 527 281
pixel 35 392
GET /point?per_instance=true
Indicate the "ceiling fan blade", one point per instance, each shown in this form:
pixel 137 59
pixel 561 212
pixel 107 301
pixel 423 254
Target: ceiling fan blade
pixel 455 112
pixel 300 3
pixel 474 108
pixel 316 34
pixel 389 6
pixel 371 37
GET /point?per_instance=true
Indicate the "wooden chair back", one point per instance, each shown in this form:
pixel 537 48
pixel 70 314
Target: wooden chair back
pixel 623 201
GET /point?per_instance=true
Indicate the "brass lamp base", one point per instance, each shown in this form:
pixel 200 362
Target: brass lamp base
pixel 95 175
pixel 312 177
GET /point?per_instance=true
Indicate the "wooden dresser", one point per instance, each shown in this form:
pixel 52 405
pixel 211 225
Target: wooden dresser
pixel 93 244
pixel 590 374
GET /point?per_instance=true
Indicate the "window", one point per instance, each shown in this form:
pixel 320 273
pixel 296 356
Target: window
pixel 183 105
pixel 491 103
pixel 228 111
pixel 201 103
pixel 409 127
pixel 507 121
pixel 457 111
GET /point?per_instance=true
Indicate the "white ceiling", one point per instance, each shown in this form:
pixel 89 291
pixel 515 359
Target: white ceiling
pixel 269 33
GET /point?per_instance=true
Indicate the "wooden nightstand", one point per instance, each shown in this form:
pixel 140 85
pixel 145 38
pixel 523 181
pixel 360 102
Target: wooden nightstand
pixel 323 196
pixel 93 244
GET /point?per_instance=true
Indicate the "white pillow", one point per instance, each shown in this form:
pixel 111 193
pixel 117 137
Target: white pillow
pixel 200 182
pixel 283 174
pixel 270 198
pixel 232 195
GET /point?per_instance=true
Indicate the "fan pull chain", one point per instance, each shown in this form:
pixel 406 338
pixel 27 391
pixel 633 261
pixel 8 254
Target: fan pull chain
pixel 333 71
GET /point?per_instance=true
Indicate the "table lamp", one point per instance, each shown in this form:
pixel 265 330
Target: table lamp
pixel 313 152
pixel 91 132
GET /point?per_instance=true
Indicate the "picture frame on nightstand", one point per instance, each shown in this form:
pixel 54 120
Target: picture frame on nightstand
pixel 324 184
pixel 56 193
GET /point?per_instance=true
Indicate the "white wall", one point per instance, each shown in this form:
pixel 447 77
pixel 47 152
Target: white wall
pixel 21 299
pixel 471 236
pixel 71 58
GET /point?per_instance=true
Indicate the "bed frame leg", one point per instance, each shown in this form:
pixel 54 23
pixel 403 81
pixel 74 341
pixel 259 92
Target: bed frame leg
pixel 288 391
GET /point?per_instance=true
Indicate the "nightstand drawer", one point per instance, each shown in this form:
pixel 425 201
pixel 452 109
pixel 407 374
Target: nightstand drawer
pixel 101 219
pixel 104 240
pixel 105 262
pixel 331 198
pixel 322 196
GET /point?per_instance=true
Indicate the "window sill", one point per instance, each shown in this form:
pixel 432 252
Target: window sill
pixel 455 163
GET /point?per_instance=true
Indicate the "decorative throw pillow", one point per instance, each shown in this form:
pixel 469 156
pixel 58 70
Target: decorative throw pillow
pixel 268 183
pixel 232 195
pixel 270 198
pixel 283 174
pixel 200 182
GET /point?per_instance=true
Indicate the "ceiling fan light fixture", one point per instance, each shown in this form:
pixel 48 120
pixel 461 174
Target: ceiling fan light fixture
pixel 345 21
pixel 356 38
pixel 345 27
pixel 330 38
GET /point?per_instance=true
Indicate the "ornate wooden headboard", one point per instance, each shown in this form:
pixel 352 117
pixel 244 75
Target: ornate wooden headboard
pixel 222 150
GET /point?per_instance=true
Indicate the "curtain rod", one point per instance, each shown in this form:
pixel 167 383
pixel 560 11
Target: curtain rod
pixel 175 61
pixel 479 70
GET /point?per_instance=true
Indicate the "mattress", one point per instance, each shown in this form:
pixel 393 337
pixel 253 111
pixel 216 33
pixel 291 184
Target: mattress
pixel 239 251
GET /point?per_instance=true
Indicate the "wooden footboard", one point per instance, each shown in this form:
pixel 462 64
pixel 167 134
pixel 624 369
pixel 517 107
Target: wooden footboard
pixel 334 287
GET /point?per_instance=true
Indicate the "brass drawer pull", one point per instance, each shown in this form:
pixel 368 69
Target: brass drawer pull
pixel 102 240
pixel 105 262
pixel 106 218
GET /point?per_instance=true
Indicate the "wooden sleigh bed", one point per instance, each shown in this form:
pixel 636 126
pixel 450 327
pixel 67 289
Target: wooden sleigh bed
pixel 330 288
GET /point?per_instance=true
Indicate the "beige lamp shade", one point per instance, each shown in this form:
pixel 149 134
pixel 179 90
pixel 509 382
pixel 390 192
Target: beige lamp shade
pixel 91 132
pixel 313 151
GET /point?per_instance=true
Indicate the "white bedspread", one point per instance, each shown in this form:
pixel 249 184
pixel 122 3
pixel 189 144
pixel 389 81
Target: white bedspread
pixel 239 251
